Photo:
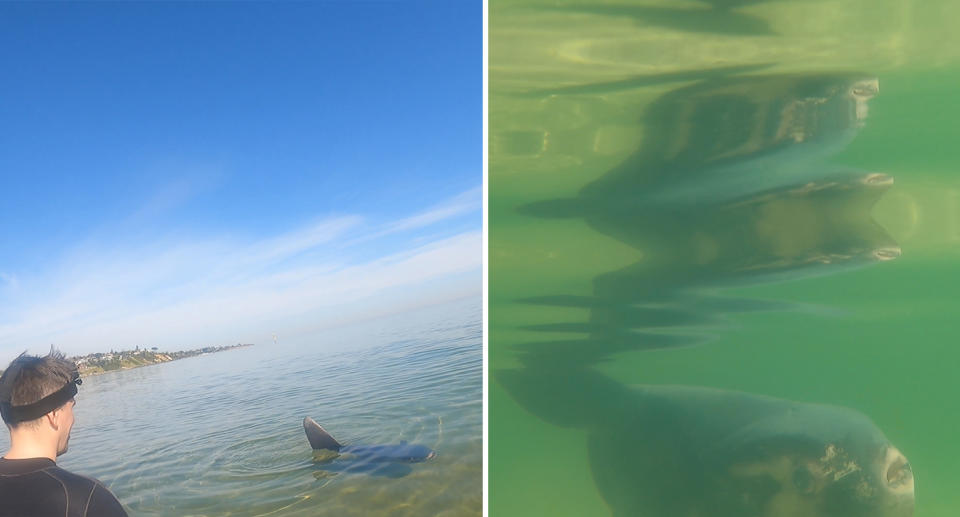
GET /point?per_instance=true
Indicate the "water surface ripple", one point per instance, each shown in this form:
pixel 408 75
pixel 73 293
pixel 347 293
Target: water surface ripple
pixel 221 434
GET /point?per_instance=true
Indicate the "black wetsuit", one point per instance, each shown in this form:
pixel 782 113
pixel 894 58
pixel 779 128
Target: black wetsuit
pixel 37 487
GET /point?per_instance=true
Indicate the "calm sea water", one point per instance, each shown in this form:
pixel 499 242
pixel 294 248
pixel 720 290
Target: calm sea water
pixel 221 434
pixel 748 196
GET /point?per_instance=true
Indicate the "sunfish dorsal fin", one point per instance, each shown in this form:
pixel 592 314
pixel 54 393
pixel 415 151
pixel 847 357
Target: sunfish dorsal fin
pixel 318 437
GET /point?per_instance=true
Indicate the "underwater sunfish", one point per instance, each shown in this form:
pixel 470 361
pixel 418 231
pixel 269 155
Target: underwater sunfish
pixel 377 460
pixel 684 451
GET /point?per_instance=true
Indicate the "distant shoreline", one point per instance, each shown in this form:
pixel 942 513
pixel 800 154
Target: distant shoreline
pixel 101 363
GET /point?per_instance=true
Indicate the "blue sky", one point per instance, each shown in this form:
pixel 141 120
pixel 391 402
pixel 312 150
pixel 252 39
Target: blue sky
pixel 185 173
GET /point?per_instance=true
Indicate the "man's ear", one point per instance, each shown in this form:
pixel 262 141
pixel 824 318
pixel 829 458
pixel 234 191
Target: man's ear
pixel 53 419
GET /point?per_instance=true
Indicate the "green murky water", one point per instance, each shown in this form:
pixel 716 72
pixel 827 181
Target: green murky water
pixel 753 197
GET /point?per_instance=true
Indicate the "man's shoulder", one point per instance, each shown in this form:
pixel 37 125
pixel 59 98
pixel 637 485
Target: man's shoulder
pixel 98 498
pixel 40 483
pixel 24 466
pixel 72 478
pixel 42 467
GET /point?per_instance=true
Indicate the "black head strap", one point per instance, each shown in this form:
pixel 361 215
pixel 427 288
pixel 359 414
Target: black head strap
pixel 14 414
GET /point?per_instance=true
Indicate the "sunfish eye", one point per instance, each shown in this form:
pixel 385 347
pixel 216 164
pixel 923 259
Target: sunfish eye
pixel 899 472
pixel 865 88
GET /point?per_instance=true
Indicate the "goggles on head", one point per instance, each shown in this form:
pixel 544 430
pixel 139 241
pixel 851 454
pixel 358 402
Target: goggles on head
pixel 14 414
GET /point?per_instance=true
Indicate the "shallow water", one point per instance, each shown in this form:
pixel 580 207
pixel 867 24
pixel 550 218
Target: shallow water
pixel 751 196
pixel 221 434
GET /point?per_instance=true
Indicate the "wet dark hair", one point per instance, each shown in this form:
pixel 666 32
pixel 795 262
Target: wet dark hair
pixel 29 378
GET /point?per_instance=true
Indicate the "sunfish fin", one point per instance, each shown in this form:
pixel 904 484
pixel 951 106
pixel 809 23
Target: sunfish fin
pixel 318 437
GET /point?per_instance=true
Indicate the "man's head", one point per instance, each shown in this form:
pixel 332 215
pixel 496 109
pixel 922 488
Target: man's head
pixel 37 398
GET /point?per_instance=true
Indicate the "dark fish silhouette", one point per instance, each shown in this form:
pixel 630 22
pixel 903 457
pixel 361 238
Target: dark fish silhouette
pixel 377 460
pixel 731 186
pixel 682 451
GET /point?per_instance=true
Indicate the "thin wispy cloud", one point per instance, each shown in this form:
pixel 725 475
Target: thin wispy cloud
pixel 224 288
pixel 466 202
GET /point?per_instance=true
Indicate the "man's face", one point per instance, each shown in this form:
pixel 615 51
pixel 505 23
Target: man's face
pixel 66 424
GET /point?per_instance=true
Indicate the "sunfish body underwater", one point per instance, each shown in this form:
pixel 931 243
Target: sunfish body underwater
pixel 376 460
pixel 713 453
pixel 684 451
